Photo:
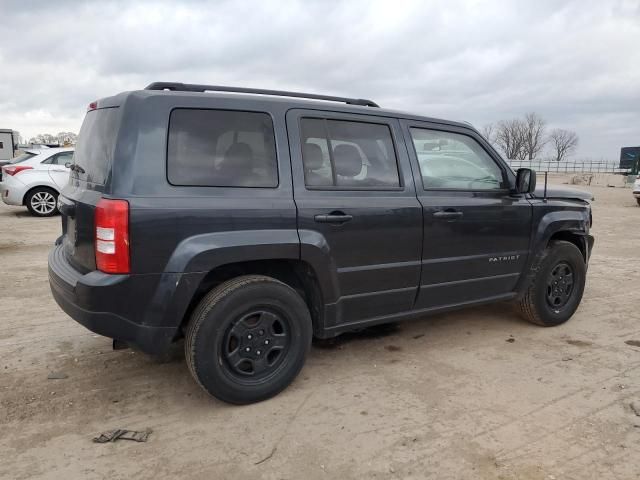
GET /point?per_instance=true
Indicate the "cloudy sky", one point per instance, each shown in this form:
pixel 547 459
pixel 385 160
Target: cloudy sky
pixel 576 63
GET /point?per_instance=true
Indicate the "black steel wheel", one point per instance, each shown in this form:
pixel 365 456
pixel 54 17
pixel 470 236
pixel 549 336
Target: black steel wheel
pixel 256 344
pixel 555 293
pixel 248 339
pixel 560 285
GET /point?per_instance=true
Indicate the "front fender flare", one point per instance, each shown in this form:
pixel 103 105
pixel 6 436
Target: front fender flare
pixel 575 222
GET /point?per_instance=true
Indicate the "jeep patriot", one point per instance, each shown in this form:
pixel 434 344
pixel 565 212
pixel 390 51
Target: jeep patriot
pixel 248 221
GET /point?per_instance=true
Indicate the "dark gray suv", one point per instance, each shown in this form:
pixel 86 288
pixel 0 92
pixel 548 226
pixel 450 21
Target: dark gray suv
pixel 248 221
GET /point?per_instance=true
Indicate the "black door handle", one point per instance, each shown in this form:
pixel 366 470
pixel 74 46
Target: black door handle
pixel 447 215
pixel 333 217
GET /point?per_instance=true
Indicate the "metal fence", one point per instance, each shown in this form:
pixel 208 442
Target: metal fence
pixel 569 166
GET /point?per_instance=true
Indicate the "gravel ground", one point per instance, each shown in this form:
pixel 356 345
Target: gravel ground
pixel 472 394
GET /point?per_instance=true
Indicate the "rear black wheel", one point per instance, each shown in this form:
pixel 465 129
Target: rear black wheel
pixel 248 339
pixel 555 293
pixel 638 200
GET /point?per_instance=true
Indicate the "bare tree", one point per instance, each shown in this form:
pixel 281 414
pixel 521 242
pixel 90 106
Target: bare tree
pixel 66 138
pixel 44 138
pixel 509 138
pixel 489 132
pixel 564 142
pixel 533 135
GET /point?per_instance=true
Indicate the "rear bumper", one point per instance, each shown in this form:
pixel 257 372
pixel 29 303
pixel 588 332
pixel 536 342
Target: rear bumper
pixel 12 194
pixel 111 305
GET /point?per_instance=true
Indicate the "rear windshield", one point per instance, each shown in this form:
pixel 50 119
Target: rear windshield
pixel 96 142
pixel 22 158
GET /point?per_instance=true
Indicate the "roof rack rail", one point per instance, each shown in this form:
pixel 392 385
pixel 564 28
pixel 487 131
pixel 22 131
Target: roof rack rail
pixel 189 87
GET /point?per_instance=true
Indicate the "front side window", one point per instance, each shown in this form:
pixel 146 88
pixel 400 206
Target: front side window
pixel 338 153
pixel 454 161
pixel 221 148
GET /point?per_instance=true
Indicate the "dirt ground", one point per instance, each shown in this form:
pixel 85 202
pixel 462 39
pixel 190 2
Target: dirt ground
pixel 472 394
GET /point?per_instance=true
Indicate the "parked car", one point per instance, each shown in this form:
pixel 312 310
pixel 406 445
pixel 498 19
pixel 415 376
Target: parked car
pixel 247 223
pixel 636 190
pixel 34 179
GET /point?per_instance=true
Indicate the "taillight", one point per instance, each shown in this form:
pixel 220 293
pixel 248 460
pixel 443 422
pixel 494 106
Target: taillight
pixel 112 236
pixel 15 169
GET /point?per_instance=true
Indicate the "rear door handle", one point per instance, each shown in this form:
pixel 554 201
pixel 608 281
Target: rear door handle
pixel 333 217
pixel 447 215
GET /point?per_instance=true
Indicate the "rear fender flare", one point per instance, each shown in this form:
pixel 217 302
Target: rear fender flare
pixel 316 251
pixel 196 256
pixel 203 253
pixel 29 188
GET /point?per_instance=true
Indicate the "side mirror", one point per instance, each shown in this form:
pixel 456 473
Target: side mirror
pixel 525 180
pixel 68 164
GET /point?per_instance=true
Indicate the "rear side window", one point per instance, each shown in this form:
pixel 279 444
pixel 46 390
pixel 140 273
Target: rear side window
pixel 63 158
pixel 96 142
pixel 221 148
pixel 59 159
pixel 338 153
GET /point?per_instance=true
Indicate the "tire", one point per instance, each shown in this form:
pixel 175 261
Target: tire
pixel 42 202
pixel 251 312
pixel 638 200
pixel 548 301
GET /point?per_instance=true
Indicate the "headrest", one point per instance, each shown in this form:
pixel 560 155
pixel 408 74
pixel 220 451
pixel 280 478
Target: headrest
pixel 312 154
pixel 347 160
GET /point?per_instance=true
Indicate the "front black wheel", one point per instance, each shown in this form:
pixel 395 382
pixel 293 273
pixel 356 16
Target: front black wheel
pixel 248 339
pixel 556 291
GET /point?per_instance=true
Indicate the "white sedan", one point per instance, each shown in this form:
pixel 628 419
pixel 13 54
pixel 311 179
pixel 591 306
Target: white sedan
pixel 636 189
pixel 35 178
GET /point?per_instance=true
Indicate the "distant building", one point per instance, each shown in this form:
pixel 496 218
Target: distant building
pixel 8 144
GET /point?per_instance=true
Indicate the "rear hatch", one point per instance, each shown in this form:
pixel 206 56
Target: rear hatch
pixel 89 180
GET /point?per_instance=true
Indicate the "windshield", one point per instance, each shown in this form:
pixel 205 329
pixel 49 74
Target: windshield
pixel 22 158
pixel 96 142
